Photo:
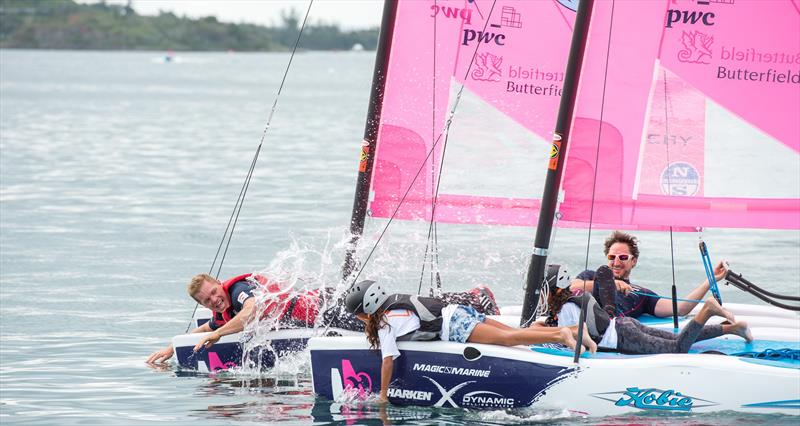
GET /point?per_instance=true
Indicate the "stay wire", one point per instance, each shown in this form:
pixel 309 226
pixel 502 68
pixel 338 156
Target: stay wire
pixel 594 178
pixel 431 227
pixel 674 289
pixel 425 160
pixel 433 174
pixel 237 209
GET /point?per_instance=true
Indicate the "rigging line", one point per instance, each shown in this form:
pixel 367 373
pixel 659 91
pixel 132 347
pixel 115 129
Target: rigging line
pixel 596 164
pixel 239 211
pixel 674 289
pixel 432 230
pixel 425 160
pixel 264 133
pixel 433 161
pixel 243 192
pixel 233 213
pixel 435 248
pixel 656 296
pixel 599 140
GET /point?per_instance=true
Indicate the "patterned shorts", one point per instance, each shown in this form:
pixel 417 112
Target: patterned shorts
pixel 463 321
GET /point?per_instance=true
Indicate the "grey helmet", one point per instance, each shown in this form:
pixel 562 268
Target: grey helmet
pixel 374 298
pixel 354 300
pixel 557 276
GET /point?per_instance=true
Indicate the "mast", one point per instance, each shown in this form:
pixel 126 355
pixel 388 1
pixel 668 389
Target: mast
pixel 536 268
pixel 367 156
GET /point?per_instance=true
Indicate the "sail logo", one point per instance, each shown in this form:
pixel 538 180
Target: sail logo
pixel 680 178
pixel 696 47
pixel 487 67
pixel 483 37
pixel 453 13
pixel 675 16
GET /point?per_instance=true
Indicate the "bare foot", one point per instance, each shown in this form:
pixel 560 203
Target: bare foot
pixel 586 340
pixel 716 309
pixel 741 329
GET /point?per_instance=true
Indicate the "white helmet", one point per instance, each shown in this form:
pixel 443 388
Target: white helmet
pixel 557 276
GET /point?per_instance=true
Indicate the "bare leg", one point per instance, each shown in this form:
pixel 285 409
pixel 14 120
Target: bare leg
pixel 740 329
pixel 486 333
pixel 711 308
pixel 498 324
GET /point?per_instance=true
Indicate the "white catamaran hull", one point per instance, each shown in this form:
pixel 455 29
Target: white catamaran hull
pixel 448 374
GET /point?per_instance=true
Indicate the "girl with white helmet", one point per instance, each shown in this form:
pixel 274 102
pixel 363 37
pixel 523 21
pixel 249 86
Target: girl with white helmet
pixel 395 317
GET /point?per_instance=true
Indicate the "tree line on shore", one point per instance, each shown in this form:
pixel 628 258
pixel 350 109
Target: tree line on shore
pixel 65 24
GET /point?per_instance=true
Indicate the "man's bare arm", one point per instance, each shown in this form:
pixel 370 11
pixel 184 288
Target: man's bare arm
pixel 235 325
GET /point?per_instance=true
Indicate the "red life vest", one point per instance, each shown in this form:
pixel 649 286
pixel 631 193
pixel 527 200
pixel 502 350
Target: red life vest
pixel 301 309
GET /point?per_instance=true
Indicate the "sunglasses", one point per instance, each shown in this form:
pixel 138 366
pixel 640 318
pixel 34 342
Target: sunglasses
pixel 622 257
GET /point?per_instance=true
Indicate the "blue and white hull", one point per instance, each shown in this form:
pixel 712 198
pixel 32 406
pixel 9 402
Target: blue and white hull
pixel 447 374
pixel 228 352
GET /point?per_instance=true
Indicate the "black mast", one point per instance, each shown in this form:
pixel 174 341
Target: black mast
pixel 371 128
pixel 537 266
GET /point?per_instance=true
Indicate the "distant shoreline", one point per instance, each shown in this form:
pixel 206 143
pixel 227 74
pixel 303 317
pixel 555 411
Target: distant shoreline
pixel 66 25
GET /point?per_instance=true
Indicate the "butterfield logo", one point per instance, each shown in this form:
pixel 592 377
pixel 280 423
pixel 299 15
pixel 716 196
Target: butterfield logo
pixel 696 47
pixel 487 67
pixel 654 399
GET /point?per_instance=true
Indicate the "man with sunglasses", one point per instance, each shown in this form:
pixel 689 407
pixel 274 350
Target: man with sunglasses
pixel 612 282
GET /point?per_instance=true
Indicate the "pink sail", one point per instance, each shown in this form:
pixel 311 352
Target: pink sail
pixel 684 90
pixel 520 51
pixel 693 105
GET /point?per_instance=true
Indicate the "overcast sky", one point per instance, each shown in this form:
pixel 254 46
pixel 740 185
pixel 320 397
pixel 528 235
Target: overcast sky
pixel 349 14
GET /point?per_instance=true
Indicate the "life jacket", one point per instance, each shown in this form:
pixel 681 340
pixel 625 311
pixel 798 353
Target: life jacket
pixel 428 309
pixel 597 319
pixel 300 310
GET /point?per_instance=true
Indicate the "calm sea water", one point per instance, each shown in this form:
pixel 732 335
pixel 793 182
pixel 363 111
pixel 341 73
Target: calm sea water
pixel 118 173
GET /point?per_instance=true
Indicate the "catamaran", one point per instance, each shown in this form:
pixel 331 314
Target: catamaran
pixel 643 97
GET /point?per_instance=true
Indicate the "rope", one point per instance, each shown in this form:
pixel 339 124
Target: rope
pixel 424 161
pixel 665 297
pixel 432 242
pixel 237 208
pixel 773 354
pixel 594 178
pixel 669 189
